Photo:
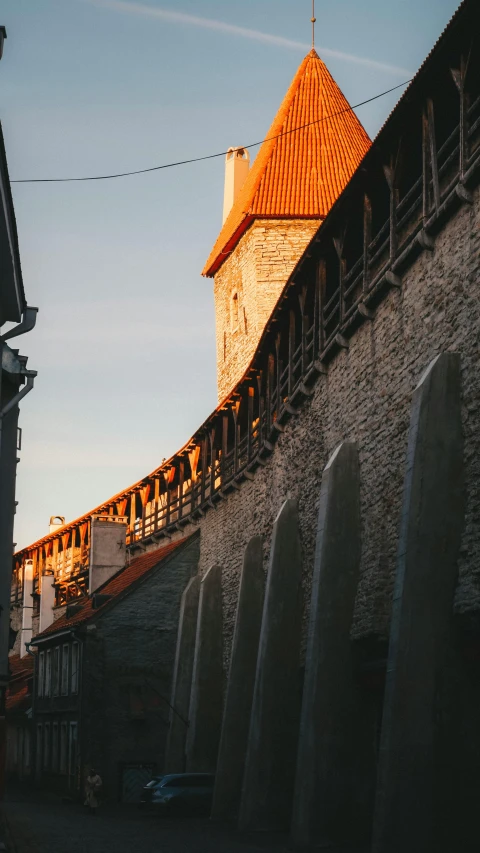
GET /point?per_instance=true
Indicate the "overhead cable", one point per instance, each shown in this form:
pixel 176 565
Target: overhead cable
pixel 207 156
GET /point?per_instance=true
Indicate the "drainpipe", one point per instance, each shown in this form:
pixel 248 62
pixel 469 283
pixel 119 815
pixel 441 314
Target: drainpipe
pixel 30 374
pixel 14 366
pixel 28 323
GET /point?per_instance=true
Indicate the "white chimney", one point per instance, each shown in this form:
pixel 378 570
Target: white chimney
pixel 27 610
pixel 237 164
pixel 107 548
pixel 56 521
pixel 47 602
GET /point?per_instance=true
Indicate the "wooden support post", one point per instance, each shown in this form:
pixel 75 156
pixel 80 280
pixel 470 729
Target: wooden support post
pixel 268 406
pixel 193 457
pixel 321 291
pixel 291 350
pixel 338 243
pixel 224 447
pixel 55 557
pixel 181 480
pixel 251 393
pixel 133 516
pixel 302 298
pixel 433 153
pixel 168 506
pixel 204 468
pixel 236 434
pixel 260 409
pixel 391 177
pixel 459 80
pixel 367 239
pixel 156 499
pixel 278 372
pixel 212 461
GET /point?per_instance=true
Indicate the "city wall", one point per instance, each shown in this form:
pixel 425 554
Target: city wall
pixel 366 396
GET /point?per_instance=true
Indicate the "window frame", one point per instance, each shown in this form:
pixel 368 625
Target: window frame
pixel 46 747
pixel 54 761
pixel 41 675
pixel 65 669
pixel 56 671
pixel 75 668
pixel 48 673
pixel 63 751
pixel 72 748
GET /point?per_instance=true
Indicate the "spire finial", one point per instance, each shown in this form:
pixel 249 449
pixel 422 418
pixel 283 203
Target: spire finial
pixel 313 24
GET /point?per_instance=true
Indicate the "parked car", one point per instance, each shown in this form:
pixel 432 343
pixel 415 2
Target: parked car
pixel 180 792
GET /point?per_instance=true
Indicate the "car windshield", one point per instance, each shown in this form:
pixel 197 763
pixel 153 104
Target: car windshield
pixel 154 782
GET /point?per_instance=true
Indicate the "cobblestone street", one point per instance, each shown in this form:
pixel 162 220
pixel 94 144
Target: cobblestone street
pixel 44 824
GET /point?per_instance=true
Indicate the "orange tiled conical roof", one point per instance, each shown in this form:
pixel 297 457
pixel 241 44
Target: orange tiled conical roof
pixel 301 167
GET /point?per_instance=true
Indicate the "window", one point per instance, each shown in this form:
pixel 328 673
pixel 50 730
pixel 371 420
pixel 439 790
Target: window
pixel 55 748
pixel 65 662
pixel 38 750
pixel 41 673
pixel 48 673
pixel 26 749
pixel 72 750
pixel 56 671
pixel 46 746
pixel 234 311
pixel 63 747
pixel 75 668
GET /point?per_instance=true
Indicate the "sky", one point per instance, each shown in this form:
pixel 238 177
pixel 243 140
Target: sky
pixel 124 344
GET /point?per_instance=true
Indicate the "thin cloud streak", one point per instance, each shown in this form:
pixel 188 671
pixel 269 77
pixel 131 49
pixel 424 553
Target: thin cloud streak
pixel 125 7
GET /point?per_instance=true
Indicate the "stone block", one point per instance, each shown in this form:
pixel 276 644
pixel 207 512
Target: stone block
pixel 241 682
pixel 175 761
pixel 432 519
pixel 205 715
pixel 272 743
pixel 325 787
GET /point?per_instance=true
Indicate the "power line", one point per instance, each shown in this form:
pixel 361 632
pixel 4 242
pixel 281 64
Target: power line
pixel 207 156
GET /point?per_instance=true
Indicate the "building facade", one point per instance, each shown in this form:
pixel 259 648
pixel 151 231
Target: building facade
pixel 103 677
pixel 15 382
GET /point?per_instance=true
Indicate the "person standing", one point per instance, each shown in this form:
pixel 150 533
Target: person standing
pixel 92 790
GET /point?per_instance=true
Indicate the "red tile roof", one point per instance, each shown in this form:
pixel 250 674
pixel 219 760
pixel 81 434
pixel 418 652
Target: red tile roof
pixel 302 167
pixel 117 587
pixel 19 701
pixel 18 697
pixel 20 666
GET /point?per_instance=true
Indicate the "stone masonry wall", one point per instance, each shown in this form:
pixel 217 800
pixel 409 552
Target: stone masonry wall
pixel 366 397
pixel 256 271
pixel 128 667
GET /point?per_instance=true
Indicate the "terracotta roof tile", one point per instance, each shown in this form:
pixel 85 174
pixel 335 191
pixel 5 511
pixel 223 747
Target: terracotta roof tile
pixel 18 698
pixel 116 587
pixel 19 701
pixel 20 666
pixel 301 168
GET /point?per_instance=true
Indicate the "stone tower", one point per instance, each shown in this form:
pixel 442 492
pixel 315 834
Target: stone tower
pixel 310 153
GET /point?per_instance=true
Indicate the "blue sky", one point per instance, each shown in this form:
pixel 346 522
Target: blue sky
pixel 124 344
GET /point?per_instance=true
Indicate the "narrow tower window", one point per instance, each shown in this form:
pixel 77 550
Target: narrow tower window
pixel 234 315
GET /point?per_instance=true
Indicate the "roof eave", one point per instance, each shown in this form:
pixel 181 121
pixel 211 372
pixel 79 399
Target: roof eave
pixel 12 294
